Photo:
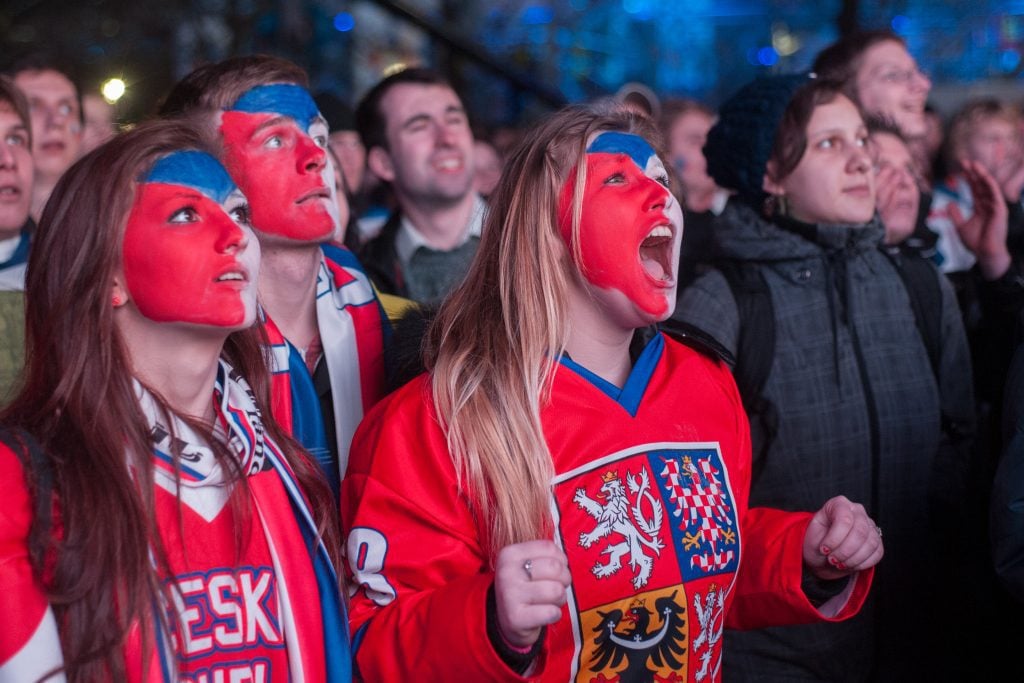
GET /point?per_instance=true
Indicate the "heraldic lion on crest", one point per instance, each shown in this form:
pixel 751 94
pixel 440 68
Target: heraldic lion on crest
pixel 628 521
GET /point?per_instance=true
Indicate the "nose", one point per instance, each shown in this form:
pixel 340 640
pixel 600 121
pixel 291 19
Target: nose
pixel 55 118
pixel 231 237
pixel 311 157
pixel 860 161
pixel 658 196
pixel 8 159
pixel 920 81
pixel 444 135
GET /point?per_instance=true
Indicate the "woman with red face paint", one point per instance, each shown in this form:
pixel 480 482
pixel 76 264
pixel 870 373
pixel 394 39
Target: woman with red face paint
pixel 154 526
pixel 563 495
pixel 866 388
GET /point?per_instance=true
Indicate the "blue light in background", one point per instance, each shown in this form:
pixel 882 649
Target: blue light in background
pixel 535 15
pixel 344 22
pixel 767 56
pixel 1009 60
pixel 900 24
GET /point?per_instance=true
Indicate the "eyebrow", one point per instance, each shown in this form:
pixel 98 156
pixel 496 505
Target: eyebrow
pixel 184 193
pixel 280 118
pixel 423 116
pixel 892 65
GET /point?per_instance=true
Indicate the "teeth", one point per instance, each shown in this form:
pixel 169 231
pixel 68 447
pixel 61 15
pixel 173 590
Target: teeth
pixel 660 231
pixel 230 276
pixel 448 164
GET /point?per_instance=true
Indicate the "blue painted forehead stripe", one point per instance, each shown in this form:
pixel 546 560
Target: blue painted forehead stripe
pixel 623 143
pixel 194 169
pixel 289 100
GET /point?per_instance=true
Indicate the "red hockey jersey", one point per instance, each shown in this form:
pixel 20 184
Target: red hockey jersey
pixel 650 505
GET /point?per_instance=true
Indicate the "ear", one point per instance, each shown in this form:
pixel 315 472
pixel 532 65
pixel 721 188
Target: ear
pixel 769 184
pixel 380 164
pixel 118 293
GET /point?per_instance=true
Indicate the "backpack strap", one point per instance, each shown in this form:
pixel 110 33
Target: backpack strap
pixel 755 351
pixel 696 338
pixel 920 278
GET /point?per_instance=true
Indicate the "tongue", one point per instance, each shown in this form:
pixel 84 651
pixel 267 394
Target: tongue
pixel 652 266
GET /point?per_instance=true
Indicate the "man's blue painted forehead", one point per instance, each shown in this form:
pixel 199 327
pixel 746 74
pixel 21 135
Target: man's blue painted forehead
pixel 194 169
pixel 289 100
pixel 613 142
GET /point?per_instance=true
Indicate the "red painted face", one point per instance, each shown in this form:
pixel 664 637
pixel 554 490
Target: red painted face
pixel 187 257
pixel 275 148
pixel 630 226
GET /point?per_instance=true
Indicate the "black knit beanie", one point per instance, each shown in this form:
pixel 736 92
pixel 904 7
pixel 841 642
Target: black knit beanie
pixel 740 143
pixel 335 111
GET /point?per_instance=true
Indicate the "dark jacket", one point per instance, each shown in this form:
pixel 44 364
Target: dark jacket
pixel 861 413
pixel 380 260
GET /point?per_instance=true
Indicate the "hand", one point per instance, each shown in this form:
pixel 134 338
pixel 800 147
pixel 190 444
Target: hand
pixel 529 600
pixel 984 233
pixel 841 540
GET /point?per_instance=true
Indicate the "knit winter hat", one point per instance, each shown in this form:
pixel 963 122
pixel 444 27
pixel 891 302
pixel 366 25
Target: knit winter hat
pixel 740 143
pixel 336 112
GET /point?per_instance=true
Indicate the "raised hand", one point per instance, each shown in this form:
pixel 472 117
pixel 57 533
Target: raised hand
pixel 529 588
pixel 984 233
pixel 841 539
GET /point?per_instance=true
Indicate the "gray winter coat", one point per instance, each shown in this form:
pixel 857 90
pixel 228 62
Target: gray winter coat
pixel 861 414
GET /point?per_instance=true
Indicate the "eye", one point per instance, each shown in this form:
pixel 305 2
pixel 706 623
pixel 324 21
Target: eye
pixel 321 141
pixel 273 142
pixel 187 214
pixel 16 140
pixel 64 109
pixel 240 214
pixel 615 179
pixel 828 143
pixel 663 179
pixel 862 140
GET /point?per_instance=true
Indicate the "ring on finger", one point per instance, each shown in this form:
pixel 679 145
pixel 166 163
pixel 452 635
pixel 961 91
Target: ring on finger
pixel 528 568
pixel 878 529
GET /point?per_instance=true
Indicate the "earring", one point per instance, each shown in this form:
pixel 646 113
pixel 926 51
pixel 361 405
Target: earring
pixel 774 205
pixel 116 301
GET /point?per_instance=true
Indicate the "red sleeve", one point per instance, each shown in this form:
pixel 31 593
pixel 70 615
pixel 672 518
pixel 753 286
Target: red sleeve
pixel 29 644
pixel 418 573
pixel 768 590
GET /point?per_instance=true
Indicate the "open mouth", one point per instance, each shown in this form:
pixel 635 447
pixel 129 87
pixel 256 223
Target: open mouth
pixel 449 164
pixel 9 192
pixel 656 253
pixel 234 276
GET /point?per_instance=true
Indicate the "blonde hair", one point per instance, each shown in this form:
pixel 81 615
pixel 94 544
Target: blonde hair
pixel 494 344
pixel 969 118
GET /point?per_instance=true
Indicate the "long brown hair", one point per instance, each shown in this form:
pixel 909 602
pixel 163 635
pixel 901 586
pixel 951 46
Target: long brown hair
pixel 493 346
pixel 91 456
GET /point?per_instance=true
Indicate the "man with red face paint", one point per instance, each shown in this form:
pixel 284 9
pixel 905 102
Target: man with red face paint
pixel 418 139
pixel 580 478
pixel 325 324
